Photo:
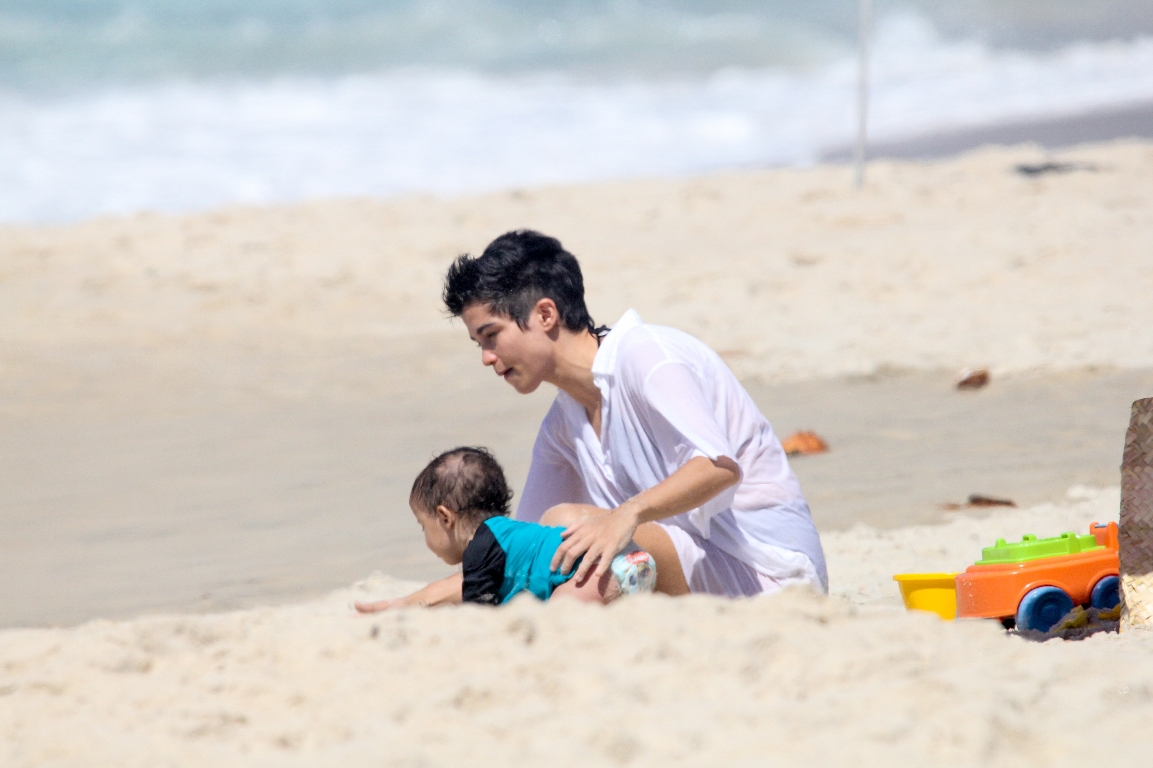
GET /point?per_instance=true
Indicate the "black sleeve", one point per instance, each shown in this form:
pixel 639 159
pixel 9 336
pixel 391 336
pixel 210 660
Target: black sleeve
pixel 483 568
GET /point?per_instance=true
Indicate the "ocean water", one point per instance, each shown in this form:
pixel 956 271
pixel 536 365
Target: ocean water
pixel 118 106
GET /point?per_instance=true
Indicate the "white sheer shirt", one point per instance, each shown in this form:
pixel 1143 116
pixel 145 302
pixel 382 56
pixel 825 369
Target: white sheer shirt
pixel 665 399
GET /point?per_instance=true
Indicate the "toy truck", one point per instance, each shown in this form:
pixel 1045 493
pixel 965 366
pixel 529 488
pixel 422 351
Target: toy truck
pixel 1031 584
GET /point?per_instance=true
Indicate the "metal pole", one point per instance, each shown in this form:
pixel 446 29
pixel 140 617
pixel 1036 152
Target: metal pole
pixel 866 22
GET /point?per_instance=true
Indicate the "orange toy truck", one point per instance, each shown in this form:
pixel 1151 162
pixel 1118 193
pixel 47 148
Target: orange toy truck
pixel 1033 583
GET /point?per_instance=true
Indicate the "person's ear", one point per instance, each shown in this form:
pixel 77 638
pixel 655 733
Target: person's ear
pixel 548 314
pixel 446 517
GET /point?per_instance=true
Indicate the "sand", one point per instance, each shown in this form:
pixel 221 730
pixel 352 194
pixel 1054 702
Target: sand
pixel 790 274
pixel 793 679
pixel 223 410
pixel 203 500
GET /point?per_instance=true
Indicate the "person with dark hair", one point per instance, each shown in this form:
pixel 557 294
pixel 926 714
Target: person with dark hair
pixel 517 270
pixel 650 437
pixel 461 502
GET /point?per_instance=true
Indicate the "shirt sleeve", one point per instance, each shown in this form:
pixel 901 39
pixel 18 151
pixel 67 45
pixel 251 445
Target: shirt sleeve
pixel 483 567
pixel 552 477
pixel 681 417
pixel 684 425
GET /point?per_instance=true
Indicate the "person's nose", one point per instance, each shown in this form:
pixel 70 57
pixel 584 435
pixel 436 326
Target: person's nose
pixel 488 357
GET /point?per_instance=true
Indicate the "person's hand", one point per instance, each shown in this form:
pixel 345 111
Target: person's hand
pixel 378 606
pixel 446 591
pixel 598 539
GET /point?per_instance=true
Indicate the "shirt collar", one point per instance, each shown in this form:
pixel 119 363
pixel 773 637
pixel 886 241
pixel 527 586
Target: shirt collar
pixel 605 362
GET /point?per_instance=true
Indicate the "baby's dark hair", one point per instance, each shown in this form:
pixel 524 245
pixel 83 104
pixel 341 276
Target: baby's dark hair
pixel 469 481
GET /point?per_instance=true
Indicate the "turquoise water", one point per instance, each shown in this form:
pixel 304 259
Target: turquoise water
pixel 119 106
pixel 83 43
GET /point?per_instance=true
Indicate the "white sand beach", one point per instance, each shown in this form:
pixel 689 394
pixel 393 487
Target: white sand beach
pixel 930 265
pixel 209 422
pixel 794 679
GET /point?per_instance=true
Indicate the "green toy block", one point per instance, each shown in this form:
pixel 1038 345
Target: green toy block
pixel 1032 548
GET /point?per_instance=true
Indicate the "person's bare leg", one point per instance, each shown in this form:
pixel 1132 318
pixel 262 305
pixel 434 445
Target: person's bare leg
pixel 670 576
pixel 564 515
pixel 649 536
pixel 602 590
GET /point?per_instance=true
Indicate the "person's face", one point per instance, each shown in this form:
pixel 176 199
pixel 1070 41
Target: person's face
pixel 521 356
pixel 439 527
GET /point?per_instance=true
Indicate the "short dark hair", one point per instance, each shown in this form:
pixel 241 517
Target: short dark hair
pixel 469 481
pixel 517 270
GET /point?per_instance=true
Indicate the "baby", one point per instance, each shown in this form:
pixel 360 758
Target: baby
pixel 461 500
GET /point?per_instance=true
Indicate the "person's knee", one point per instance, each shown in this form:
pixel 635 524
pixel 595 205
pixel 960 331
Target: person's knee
pixel 670 575
pixel 564 515
pixel 558 516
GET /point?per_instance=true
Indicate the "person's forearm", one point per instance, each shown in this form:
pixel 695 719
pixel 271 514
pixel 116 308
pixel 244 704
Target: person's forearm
pixel 446 591
pixel 698 481
pixel 597 538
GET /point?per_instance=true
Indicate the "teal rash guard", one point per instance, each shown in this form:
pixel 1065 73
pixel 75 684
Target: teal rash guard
pixel 507 557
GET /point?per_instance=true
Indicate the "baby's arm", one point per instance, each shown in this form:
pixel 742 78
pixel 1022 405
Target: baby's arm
pixel 446 591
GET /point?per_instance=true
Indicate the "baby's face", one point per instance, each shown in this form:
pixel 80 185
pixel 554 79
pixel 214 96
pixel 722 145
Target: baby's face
pixel 438 537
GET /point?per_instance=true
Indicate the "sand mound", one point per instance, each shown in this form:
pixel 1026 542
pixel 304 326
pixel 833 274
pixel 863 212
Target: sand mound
pixel 789 274
pixel 931 265
pixel 794 679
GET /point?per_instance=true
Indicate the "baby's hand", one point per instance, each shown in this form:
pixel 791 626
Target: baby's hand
pixel 377 607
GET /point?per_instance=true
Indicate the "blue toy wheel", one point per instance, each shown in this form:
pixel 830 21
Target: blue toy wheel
pixel 1043 607
pixel 1106 593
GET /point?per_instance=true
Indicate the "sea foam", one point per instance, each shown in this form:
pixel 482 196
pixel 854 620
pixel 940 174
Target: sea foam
pixel 188 145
